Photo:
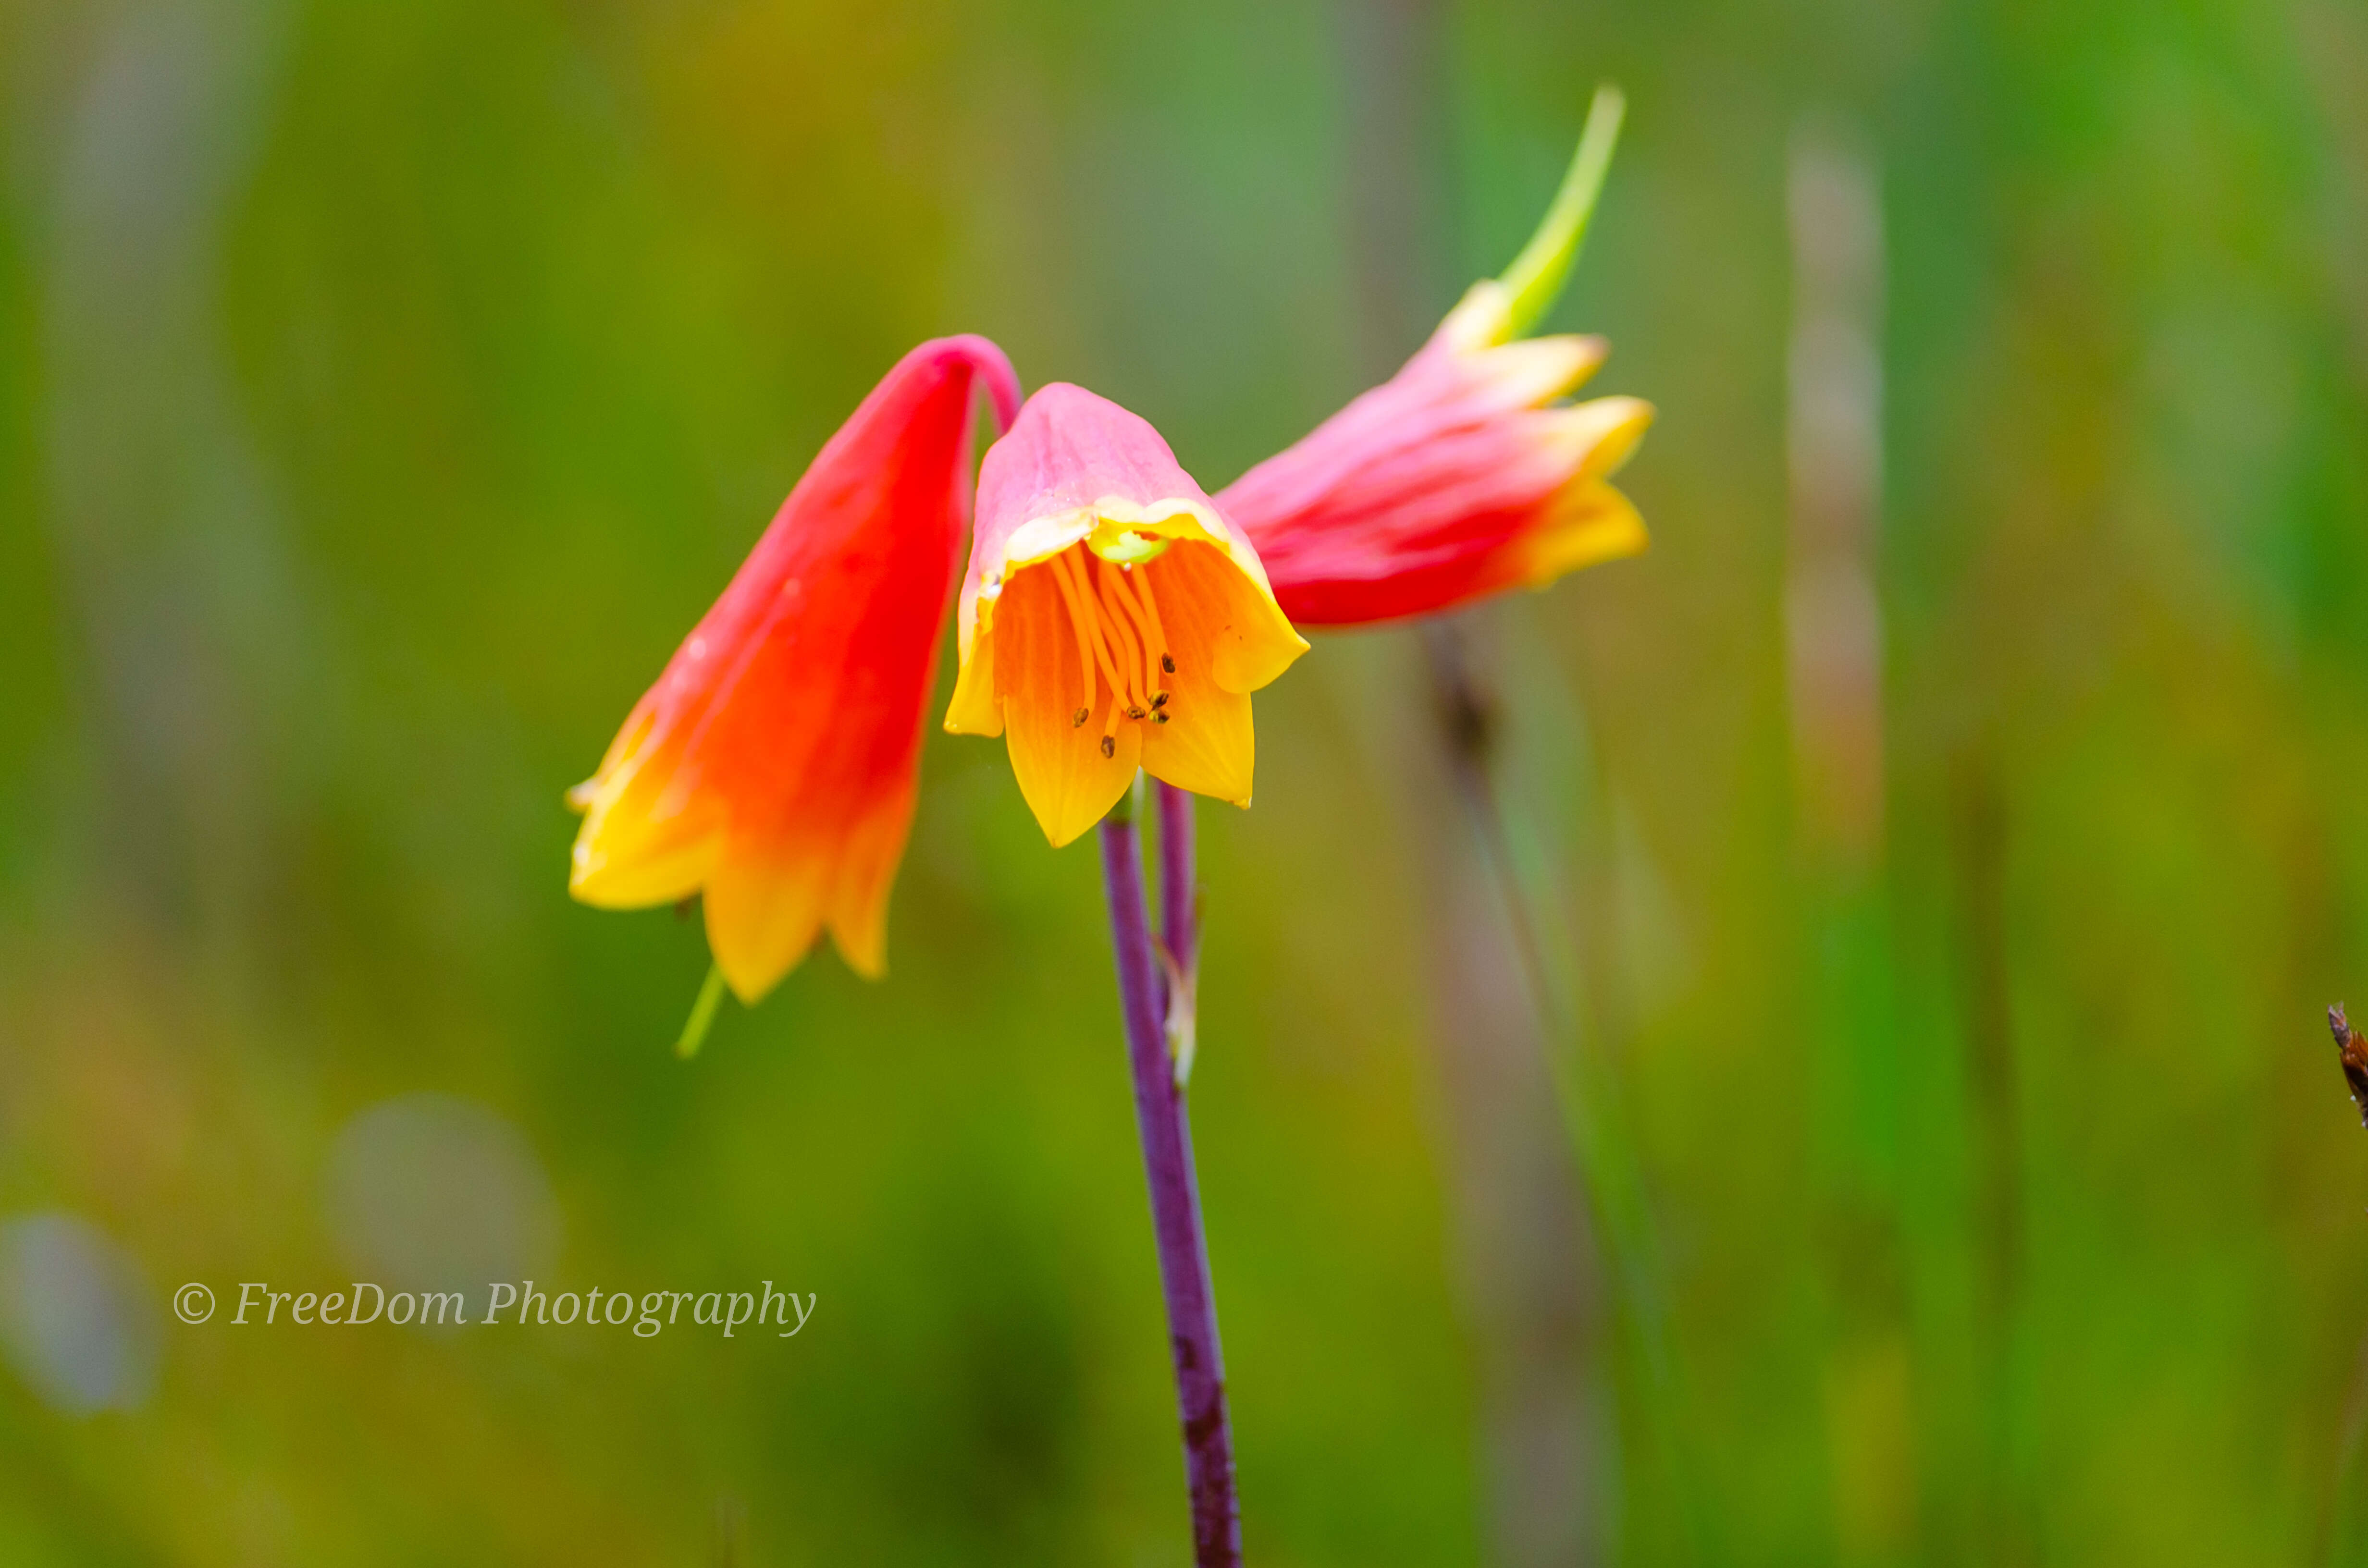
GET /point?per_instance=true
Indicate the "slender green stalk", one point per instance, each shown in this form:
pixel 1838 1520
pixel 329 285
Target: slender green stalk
pixel 1537 275
pixel 702 1015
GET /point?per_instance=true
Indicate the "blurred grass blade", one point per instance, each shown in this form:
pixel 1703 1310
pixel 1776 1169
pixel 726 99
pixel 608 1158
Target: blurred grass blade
pixel 1589 1094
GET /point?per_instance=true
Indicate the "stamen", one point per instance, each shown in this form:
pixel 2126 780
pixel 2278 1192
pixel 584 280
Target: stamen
pixel 1085 653
pixel 1130 615
pixel 1154 634
pixel 1128 648
pixel 1118 692
pixel 1085 609
pixel 1117 602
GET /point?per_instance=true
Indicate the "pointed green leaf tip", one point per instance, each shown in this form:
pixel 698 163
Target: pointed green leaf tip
pixel 702 1014
pixel 1535 280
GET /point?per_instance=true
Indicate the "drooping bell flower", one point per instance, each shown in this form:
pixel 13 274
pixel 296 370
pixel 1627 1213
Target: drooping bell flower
pixel 1460 475
pixel 1112 617
pixel 773 768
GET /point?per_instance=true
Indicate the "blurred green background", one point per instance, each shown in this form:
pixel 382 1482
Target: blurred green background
pixel 385 389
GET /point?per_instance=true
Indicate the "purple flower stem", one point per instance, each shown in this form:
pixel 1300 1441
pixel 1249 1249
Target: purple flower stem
pixel 1180 886
pixel 1175 1201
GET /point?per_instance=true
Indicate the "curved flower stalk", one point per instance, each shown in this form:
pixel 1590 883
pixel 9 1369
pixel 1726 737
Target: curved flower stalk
pixel 773 768
pixel 1113 618
pixel 1462 475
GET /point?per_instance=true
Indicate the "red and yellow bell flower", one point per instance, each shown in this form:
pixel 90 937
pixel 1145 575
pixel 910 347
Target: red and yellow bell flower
pixel 1113 618
pixel 1452 480
pixel 1460 476
pixel 773 765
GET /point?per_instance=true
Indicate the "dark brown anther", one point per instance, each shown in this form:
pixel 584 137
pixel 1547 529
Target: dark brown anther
pixel 1135 712
pixel 2352 1046
pixel 1080 721
pixel 1159 702
pixel 1167 663
pixel 1110 745
pixel 1159 718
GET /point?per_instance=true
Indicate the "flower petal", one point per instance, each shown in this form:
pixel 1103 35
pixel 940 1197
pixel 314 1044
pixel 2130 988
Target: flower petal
pixel 1604 431
pixel 1218 607
pixel 638 845
pixel 857 912
pixel 1590 523
pixel 764 909
pixel 1206 745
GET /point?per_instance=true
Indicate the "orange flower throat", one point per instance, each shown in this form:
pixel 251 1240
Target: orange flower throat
pixel 1116 617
